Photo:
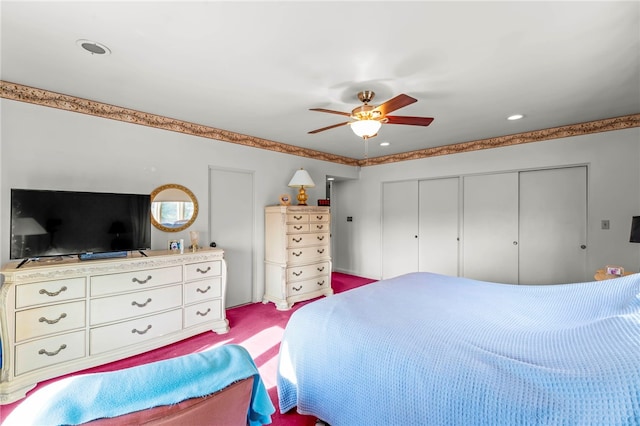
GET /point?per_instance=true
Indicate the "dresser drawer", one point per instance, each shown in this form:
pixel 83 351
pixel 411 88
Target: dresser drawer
pixel 299 273
pixel 49 291
pixel 315 227
pixel 297 217
pixel 49 319
pixel 202 312
pixel 306 240
pixel 297 228
pixel 130 281
pixel 49 351
pixel 131 305
pixel 202 290
pixel 307 254
pixel 319 217
pixel 198 271
pixel 308 286
pixel 115 336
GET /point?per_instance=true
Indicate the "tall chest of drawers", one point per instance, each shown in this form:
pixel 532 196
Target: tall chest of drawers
pixel 297 254
pixel 66 316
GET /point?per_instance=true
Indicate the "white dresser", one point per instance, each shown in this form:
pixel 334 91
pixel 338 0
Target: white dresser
pixel 66 316
pixel 297 254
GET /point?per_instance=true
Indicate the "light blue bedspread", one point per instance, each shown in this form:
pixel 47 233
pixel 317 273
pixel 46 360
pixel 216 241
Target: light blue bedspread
pixel 426 349
pixel 87 397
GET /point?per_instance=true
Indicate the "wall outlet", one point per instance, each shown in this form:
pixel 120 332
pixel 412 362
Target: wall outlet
pixel 604 224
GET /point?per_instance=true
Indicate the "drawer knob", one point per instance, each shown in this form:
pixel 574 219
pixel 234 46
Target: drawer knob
pixel 135 280
pixel 141 305
pixel 199 290
pixel 48 321
pixel 297 217
pixel 55 293
pixel 204 271
pixel 203 314
pixel 320 251
pixel 44 352
pixel 297 274
pixel 319 217
pixel 297 228
pixel 297 240
pixel 134 331
pixel 297 288
pixel 320 283
pixel 319 226
pixel 297 254
pixel 320 269
pixel 320 237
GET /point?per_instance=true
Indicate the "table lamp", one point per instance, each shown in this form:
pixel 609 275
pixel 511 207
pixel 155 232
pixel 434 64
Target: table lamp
pixel 301 179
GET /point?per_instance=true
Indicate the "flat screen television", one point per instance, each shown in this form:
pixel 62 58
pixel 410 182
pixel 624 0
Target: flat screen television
pixel 62 223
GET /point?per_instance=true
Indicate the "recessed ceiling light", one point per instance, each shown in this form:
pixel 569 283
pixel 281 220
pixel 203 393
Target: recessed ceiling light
pixel 384 144
pixel 515 117
pixel 94 47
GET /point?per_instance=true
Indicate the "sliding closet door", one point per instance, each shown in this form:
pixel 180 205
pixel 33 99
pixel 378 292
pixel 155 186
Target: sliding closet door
pixel 438 226
pixel 399 228
pixel 553 226
pixel 490 227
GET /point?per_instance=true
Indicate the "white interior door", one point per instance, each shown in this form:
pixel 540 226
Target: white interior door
pixel 231 221
pixel 490 227
pixel 553 226
pixel 439 226
pixel 399 228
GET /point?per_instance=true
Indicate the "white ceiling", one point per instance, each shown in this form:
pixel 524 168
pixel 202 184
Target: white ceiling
pixel 257 67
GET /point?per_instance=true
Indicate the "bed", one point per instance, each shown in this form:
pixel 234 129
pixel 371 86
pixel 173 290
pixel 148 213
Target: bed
pixel 428 349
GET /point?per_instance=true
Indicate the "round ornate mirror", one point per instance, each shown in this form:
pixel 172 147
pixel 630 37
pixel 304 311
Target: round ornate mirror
pixel 173 208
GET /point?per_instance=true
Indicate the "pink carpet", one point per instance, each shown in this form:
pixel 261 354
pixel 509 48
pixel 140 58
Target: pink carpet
pixel 257 327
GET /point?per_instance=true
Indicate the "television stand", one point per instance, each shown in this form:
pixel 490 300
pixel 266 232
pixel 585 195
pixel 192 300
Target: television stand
pixel 59 318
pixel 142 253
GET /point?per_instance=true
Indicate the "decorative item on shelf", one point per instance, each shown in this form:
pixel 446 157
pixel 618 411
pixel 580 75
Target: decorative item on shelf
pixel 325 202
pixel 176 245
pixel 614 270
pixel 194 240
pixel 301 179
pixel 285 199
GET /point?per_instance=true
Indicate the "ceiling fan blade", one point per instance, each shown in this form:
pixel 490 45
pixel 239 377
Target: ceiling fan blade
pixel 393 104
pixel 330 111
pixel 327 128
pixel 412 121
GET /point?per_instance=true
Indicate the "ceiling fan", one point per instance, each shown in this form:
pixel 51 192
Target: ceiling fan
pixel 368 118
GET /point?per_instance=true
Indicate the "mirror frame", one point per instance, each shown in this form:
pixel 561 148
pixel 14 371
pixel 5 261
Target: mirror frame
pixel 186 191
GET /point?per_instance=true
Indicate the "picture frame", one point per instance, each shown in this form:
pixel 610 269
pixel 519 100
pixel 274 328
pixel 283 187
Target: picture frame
pixel 285 199
pixel 173 245
pixel 614 270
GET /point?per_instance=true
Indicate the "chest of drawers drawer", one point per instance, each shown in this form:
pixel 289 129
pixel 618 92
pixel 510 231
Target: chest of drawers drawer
pixel 299 273
pixel 307 254
pixel 126 333
pixel 50 292
pixel 202 290
pixel 132 281
pixel 297 217
pixel 202 312
pixel 306 240
pixel 46 320
pixel 49 351
pixel 198 271
pixel 113 308
pixel 308 286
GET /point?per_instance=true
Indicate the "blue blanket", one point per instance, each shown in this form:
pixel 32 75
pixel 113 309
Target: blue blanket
pixel 87 397
pixel 426 349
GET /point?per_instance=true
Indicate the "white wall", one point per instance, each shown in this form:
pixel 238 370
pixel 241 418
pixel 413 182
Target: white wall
pixel 613 160
pixel 46 148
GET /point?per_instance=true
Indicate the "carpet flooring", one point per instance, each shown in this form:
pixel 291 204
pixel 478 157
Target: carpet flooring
pixel 256 326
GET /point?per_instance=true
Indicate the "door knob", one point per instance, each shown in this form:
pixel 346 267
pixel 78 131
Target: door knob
pixel 583 247
pixel 515 243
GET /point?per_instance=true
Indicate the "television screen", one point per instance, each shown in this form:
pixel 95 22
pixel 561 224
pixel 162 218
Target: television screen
pixel 60 223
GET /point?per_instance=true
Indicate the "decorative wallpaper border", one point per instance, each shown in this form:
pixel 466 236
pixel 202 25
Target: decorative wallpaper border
pixel 42 97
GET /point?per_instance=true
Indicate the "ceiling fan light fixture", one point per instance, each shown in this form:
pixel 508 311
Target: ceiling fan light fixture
pixel 366 128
